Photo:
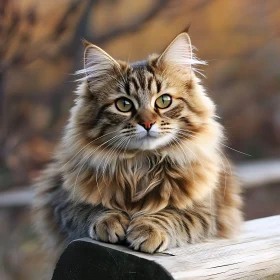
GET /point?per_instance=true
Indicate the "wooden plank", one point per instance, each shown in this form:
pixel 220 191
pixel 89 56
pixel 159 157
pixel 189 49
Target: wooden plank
pixel 258 173
pixel 254 254
pixel 18 198
pixel 86 260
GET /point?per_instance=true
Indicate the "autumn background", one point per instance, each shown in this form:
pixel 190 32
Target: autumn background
pixel 40 49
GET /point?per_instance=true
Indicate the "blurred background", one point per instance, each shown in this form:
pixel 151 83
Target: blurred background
pixel 40 49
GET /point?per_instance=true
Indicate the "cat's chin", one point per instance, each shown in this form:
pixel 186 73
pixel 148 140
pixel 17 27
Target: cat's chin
pixel 149 143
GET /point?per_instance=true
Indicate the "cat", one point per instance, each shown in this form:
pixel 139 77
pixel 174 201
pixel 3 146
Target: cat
pixel 141 161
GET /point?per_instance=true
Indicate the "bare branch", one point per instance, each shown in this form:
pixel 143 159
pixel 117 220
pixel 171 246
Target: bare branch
pixel 131 27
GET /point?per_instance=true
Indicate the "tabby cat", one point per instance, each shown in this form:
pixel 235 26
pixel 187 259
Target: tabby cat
pixel 141 161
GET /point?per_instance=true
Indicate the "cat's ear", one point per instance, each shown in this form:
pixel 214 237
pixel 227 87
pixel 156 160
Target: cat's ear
pixel 99 66
pixel 178 56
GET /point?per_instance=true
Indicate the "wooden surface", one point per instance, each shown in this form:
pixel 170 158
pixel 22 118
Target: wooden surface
pixel 254 254
pixel 86 260
pixel 258 173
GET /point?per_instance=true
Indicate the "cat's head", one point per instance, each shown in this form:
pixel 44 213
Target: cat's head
pixel 148 105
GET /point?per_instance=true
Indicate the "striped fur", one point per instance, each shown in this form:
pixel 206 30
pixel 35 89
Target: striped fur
pixel 111 182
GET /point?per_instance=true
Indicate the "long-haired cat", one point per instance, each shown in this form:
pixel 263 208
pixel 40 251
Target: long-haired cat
pixel 141 161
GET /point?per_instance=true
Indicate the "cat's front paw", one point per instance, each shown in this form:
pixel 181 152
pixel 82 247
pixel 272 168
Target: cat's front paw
pixel 110 227
pixel 145 236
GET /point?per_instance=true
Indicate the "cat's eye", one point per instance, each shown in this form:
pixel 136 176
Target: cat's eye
pixel 163 101
pixel 123 104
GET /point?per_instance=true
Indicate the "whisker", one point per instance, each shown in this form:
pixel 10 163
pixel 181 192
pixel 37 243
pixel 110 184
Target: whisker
pixel 86 159
pixel 220 143
pixel 236 150
pixel 115 139
pixel 96 179
pixel 85 147
pixel 224 169
pixel 186 158
pixel 111 152
pixel 115 149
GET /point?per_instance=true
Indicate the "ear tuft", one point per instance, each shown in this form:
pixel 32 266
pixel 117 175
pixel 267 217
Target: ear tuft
pixel 179 54
pixel 85 42
pixel 98 66
pixel 187 28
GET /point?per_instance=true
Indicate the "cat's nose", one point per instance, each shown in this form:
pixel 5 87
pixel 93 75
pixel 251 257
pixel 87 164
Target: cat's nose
pixel 147 125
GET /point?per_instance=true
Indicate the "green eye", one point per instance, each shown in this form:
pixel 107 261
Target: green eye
pixel 163 101
pixel 123 104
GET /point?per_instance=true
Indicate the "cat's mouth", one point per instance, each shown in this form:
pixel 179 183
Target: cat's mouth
pixel 150 141
pixel 151 134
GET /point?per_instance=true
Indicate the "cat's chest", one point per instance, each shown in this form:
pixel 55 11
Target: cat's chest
pixel 142 184
pixel 137 181
pixel 141 172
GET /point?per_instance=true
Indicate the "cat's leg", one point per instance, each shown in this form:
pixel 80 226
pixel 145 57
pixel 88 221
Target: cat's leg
pixel 78 220
pixel 59 220
pixel 170 228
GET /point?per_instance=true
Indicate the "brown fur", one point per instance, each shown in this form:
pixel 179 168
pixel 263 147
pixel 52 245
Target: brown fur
pixel 154 197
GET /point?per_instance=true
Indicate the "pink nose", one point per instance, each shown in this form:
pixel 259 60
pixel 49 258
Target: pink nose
pixel 147 125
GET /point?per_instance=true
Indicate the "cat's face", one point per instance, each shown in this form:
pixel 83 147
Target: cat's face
pixel 148 109
pixel 149 105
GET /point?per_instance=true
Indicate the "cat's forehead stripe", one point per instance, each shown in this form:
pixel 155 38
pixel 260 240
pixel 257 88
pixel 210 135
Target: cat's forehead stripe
pixel 142 79
pixel 150 80
pixel 158 85
pixel 127 88
pixel 135 83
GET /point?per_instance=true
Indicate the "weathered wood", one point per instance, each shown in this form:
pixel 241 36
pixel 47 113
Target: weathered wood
pixel 259 173
pixel 22 197
pixel 85 260
pixel 254 254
